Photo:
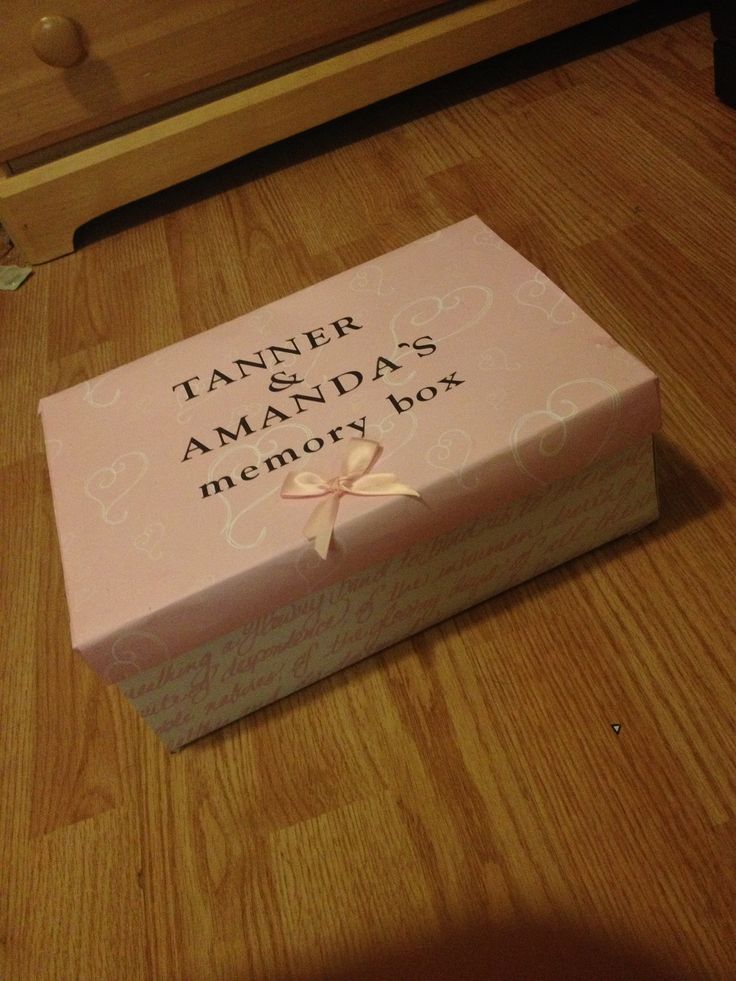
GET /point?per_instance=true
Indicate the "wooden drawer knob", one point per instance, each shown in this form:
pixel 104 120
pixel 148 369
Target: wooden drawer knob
pixel 57 41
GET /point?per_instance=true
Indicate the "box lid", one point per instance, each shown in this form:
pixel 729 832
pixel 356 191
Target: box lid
pixel 480 379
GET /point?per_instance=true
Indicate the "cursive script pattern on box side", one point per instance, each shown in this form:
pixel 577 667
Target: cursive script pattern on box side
pixel 296 645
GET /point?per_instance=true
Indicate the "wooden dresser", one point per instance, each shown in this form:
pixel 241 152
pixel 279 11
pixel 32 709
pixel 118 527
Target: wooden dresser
pixel 104 103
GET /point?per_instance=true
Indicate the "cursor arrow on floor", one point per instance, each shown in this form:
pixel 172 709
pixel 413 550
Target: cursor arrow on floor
pixel 616 726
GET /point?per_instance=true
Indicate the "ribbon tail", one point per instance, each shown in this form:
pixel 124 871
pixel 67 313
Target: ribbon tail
pixel 321 524
pixel 373 484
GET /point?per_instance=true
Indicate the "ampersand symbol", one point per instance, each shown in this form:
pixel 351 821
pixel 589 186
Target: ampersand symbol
pixel 280 381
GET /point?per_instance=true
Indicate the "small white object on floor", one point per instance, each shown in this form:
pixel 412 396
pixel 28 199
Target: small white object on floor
pixel 11 277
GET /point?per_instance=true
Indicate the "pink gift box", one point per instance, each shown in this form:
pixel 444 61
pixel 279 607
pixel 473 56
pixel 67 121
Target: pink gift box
pixel 444 421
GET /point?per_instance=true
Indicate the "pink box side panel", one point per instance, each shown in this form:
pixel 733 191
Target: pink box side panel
pixel 305 641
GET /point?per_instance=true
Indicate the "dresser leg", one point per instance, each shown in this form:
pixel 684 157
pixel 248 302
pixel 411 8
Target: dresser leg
pixel 40 233
pixel 37 241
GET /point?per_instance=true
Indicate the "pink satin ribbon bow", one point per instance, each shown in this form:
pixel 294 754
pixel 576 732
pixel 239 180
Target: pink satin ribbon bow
pixel 353 479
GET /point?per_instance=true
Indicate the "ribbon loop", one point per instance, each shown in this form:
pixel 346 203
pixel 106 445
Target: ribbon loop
pixel 353 479
pixel 304 484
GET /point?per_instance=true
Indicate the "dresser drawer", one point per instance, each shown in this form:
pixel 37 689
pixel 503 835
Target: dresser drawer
pixel 132 55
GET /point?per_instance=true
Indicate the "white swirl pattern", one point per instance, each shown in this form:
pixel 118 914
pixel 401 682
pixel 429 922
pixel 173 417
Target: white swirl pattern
pixel 562 411
pixel 90 388
pixel 134 649
pixel 487 237
pixel 252 454
pixel 369 279
pixel 404 426
pixel 451 453
pixel 109 485
pixel 149 540
pixel 496 359
pixel 426 310
pixel 542 294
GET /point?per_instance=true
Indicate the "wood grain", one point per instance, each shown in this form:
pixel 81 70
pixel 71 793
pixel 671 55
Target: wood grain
pixel 458 806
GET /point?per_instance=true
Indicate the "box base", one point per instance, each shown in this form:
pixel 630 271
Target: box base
pixel 301 643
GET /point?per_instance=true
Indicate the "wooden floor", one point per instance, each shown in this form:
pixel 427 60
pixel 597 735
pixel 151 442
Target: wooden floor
pixel 459 806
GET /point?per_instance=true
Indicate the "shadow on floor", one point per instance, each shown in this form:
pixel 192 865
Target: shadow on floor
pixel 517 951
